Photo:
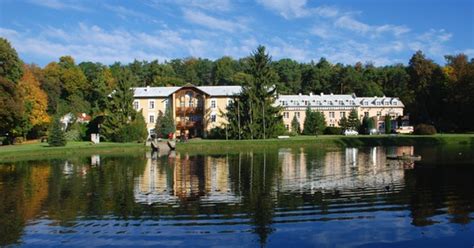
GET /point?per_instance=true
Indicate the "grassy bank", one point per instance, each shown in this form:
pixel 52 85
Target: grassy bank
pixel 42 150
pixel 326 141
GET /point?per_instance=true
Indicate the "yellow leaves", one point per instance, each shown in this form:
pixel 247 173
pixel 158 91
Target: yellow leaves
pixel 31 93
pixel 450 73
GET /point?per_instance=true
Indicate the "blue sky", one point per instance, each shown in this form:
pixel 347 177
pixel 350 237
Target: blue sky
pixel 347 31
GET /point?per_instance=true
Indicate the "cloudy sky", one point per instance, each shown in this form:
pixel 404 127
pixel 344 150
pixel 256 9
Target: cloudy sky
pixel 347 31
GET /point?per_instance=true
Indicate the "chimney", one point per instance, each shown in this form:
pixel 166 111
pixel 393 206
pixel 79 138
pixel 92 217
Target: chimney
pixel 310 93
pixel 299 94
pixel 332 94
pixel 322 94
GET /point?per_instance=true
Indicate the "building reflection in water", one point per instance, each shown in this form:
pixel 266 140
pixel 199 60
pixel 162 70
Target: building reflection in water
pixel 168 180
pixel 207 178
pixel 351 168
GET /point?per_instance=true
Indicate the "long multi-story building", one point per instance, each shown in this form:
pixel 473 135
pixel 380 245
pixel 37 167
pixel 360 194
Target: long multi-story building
pixel 198 109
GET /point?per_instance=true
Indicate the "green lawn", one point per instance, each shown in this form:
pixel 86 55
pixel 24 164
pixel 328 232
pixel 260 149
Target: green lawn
pixel 42 150
pixel 37 150
pixel 324 141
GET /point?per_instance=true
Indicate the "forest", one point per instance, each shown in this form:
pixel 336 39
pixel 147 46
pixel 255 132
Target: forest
pixel 31 96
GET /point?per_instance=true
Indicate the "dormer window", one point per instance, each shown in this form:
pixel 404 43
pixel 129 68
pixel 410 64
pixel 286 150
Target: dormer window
pixel 395 102
pixel 341 102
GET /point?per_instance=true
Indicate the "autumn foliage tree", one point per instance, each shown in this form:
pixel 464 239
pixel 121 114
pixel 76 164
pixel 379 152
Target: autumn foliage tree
pixel 11 70
pixel 35 102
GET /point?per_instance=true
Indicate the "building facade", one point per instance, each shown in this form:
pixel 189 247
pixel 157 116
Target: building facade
pixel 198 109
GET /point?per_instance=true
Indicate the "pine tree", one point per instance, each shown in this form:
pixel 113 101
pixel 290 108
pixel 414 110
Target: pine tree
pixel 388 124
pixel 56 134
pixel 165 124
pixel 315 123
pixel 295 125
pixel 119 110
pixel 253 115
pixel 364 128
pixel 320 122
pixel 343 123
pixel 353 120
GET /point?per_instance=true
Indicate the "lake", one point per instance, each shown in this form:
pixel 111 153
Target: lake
pixel 287 197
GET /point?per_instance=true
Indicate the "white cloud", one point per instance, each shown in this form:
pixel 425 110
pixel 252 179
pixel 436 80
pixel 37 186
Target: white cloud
pixel 124 13
pixel 60 5
pixel 349 23
pixel 211 22
pixel 209 5
pixel 287 8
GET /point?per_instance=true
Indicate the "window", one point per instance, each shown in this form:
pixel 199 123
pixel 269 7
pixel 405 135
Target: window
pixel 379 113
pixel 331 114
pixel 165 103
pixel 395 102
pixel 286 115
pixel 136 105
pixel 331 125
pixel 318 102
pixel 387 103
pixel 213 103
pixel 305 102
pixel 341 102
pixel 377 103
pixel 297 114
pixel 213 118
pixel 342 114
pixel 151 104
pixel 287 127
pixel 152 118
pixel 366 114
pixel 229 102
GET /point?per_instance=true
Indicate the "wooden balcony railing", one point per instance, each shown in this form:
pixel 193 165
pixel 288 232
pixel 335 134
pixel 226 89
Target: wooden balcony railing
pixel 187 124
pixel 188 110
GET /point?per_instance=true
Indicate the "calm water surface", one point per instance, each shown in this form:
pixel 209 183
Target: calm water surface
pixel 351 197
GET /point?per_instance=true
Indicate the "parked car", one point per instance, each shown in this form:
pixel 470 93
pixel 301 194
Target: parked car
pixel 405 130
pixel 374 131
pixel 350 132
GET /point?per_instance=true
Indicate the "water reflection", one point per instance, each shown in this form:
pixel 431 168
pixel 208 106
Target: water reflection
pixel 244 198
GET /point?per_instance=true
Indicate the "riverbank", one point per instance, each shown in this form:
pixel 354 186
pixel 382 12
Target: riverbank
pixel 42 150
pixel 324 141
pixel 204 146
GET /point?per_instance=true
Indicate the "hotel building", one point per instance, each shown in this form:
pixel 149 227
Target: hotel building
pixel 198 109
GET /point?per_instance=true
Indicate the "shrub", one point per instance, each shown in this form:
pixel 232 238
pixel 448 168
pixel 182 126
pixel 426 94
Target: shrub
pixel 134 131
pixel 333 130
pixel 56 134
pixel 73 135
pixel 424 129
pixel 216 133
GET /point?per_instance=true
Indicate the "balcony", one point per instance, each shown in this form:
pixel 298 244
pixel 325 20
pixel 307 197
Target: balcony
pixel 188 110
pixel 187 124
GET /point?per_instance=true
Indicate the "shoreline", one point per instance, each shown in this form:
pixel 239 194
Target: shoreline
pixel 208 146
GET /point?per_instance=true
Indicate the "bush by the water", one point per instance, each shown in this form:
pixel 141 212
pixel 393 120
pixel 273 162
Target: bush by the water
pixel 134 131
pixel 56 135
pixel 216 133
pixel 424 129
pixel 77 132
pixel 333 130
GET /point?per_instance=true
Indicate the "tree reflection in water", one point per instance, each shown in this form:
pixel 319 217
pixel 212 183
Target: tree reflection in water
pixel 261 193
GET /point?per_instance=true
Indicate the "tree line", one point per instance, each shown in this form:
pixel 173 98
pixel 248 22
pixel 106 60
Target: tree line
pixel 30 96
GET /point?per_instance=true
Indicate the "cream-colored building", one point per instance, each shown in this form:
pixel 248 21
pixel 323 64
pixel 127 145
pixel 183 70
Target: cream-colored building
pixel 198 109
pixel 334 107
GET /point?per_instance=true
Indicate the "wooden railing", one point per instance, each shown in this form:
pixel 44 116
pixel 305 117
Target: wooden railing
pixel 188 110
pixel 187 124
